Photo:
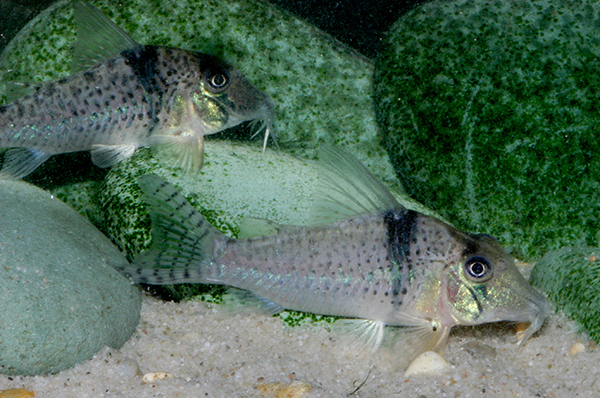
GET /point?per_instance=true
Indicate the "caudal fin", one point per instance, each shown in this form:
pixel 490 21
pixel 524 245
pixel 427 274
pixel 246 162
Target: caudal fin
pixel 183 241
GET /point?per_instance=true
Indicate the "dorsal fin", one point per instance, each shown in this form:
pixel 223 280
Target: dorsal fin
pixel 346 188
pixel 98 38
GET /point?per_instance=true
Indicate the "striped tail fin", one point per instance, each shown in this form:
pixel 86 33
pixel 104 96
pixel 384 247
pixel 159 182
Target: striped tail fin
pixel 183 241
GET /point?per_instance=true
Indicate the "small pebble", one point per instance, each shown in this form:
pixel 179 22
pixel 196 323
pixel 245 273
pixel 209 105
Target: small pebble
pixel 190 337
pixel 128 368
pixel 295 389
pixel 427 363
pixel 155 376
pixel 577 348
pixel 17 393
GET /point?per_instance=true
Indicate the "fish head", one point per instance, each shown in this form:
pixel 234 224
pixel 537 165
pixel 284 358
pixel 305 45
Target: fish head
pixel 225 98
pixel 484 285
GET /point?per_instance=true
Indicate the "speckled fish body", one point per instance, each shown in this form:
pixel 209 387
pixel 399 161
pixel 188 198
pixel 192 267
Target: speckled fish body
pixel 383 268
pixel 144 95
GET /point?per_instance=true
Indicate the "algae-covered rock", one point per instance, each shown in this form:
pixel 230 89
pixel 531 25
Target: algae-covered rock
pixel 61 299
pixel 571 278
pixel 237 182
pixel 322 89
pixel 489 111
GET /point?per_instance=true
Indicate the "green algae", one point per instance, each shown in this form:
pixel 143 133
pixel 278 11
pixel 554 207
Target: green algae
pixel 571 278
pixel 295 318
pixel 489 113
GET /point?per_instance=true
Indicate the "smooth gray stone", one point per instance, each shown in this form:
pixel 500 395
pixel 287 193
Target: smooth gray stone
pixel 61 300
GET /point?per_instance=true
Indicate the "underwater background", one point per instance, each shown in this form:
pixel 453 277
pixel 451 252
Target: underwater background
pixel 360 24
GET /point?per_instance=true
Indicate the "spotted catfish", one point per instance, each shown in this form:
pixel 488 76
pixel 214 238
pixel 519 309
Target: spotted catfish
pixel 397 276
pixel 124 95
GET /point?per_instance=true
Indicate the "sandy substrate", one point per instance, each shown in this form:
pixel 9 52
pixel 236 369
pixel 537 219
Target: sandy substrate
pixel 211 352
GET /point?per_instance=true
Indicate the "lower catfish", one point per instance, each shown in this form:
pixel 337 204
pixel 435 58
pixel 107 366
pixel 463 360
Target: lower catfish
pixel 397 276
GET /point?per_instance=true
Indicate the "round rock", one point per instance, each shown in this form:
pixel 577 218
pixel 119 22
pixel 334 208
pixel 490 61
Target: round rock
pixel 61 299
pixel 489 112
pixel 571 278
pixel 238 188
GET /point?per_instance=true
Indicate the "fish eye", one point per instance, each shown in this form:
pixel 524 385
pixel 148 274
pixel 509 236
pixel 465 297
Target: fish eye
pixel 478 269
pixel 218 81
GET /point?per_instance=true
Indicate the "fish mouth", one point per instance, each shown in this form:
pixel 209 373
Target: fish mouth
pixel 538 311
pixel 263 120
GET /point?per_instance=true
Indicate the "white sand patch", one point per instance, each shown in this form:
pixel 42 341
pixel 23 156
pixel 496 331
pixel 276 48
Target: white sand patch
pixel 211 353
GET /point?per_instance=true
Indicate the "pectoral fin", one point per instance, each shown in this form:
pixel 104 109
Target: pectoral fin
pixel 19 162
pixel 364 336
pixel 401 343
pixel 108 155
pixel 184 150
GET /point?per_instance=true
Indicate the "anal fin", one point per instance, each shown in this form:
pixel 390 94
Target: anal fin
pixel 240 300
pixel 108 155
pixel 19 162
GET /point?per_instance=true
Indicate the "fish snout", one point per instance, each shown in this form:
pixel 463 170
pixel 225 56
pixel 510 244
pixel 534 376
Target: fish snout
pixel 534 309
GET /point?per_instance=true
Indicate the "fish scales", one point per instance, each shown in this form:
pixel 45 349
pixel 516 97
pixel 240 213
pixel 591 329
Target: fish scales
pixel 397 277
pixel 134 96
pixel 347 259
pixel 367 266
pixel 104 99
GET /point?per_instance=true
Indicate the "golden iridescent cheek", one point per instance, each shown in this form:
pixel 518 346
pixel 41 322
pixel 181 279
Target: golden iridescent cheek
pixel 177 111
pixel 209 110
pixel 501 293
pixel 465 303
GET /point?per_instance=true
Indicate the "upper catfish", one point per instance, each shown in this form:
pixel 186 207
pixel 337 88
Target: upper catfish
pixel 123 96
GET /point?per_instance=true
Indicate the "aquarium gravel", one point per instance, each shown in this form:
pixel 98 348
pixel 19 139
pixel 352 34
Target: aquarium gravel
pixel 208 351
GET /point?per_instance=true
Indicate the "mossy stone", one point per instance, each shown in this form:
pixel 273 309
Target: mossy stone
pixel 571 278
pixel 62 301
pixel 237 182
pixel 489 112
